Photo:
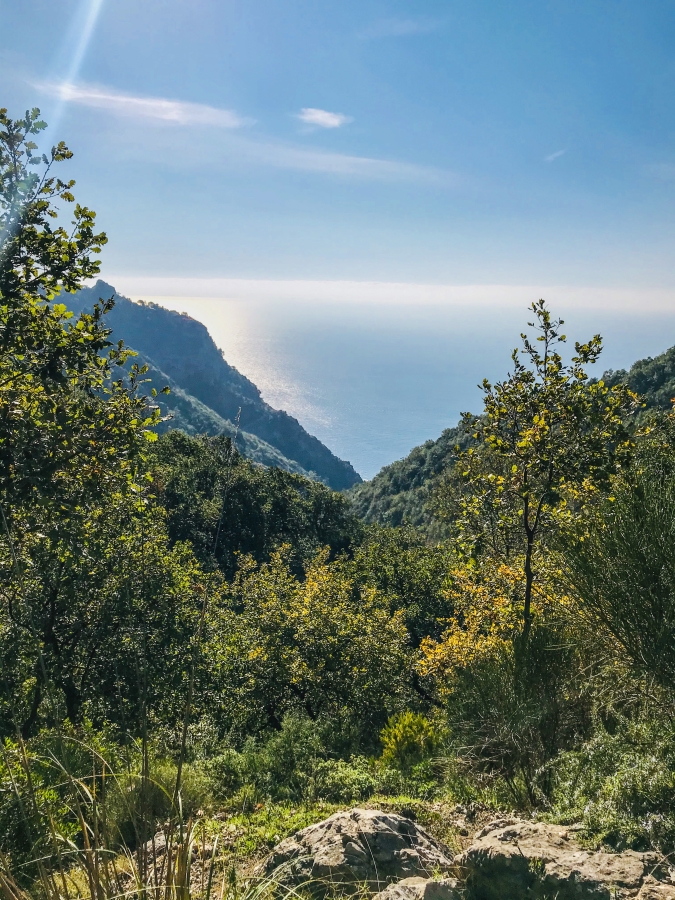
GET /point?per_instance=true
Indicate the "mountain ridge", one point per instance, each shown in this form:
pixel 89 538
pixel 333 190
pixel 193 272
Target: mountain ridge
pixel 181 349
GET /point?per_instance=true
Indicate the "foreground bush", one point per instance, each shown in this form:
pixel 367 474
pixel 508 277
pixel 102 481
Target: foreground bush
pixel 323 646
pixel 621 785
pixel 510 708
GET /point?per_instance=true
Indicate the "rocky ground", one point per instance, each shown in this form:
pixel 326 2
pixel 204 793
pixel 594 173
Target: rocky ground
pixel 429 851
pixel 372 852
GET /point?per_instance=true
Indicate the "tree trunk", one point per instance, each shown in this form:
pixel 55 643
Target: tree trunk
pixel 529 580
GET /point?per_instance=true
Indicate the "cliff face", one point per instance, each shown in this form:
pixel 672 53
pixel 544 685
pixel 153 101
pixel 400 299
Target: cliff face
pixel 182 348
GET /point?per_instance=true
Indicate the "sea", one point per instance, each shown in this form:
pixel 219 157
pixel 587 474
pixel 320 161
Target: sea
pixel 375 372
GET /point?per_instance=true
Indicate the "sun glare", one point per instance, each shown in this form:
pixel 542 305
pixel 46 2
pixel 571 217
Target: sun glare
pixel 83 32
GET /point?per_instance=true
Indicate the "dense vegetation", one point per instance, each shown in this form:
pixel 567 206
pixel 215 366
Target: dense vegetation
pixel 184 632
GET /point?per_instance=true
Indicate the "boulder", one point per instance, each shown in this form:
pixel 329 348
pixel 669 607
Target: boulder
pixel 512 859
pixel 360 848
pixel 417 888
pixel 656 890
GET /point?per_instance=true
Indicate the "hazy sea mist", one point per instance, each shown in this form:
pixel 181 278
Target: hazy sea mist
pixel 372 380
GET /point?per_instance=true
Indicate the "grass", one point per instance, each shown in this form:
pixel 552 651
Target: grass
pixel 245 838
pixel 84 856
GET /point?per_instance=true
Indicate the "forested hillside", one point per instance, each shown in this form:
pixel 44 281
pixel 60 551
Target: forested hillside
pixel 207 392
pixel 652 378
pixel 401 492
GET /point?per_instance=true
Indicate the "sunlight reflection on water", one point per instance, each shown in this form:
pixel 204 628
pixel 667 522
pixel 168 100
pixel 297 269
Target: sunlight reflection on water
pixel 373 380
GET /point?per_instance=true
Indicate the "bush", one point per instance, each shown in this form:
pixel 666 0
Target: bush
pixel 340 782
pixel 325 647
pixel 281 766
pixel 511 707
pixel 621 786
pixel 622 563
pixel 408 738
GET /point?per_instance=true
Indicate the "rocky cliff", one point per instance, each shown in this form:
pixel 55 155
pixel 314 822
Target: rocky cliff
pixel 182 349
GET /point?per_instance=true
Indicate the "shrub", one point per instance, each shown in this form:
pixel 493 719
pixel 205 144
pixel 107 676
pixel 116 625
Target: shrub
pixel 622 563
pixel 511 707
pixel 621 786
pixel 338 781
pixel 408 738
pixel 326 648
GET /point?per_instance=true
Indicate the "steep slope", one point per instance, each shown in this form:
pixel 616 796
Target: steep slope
pixel 182 349
pixel 193 417
pixel 652 378
pixel 399 493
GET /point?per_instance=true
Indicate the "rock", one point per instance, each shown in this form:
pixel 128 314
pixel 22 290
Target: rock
pixel 157 860
pixel 422 889
pixel 512 859
pixel 656 890
pixel 355 849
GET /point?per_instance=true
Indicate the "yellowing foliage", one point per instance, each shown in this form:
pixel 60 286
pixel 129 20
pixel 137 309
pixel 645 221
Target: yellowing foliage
pixel 322 645
pixel 488 603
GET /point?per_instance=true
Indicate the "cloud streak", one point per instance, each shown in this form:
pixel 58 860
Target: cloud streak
pixel 289 156
pixel 155 108
pixel 556 155
pixel 233 146
pixel 322 118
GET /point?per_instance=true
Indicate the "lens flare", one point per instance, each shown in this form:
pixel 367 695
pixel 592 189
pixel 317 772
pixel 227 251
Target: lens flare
pixel 84 27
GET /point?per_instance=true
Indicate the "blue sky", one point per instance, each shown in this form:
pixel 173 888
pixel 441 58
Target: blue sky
pixel 458 142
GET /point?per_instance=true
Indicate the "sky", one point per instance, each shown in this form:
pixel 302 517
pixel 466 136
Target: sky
pixel 459 142
pixel 336 186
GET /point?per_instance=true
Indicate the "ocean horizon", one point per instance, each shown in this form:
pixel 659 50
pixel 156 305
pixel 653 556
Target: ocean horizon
pixel 372 379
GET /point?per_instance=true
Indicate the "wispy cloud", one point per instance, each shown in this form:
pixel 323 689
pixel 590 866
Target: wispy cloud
pixel 553 156
pixel 235 147
pixel 289 156
pixel 139 107
pixel 322 118
pixel 399 27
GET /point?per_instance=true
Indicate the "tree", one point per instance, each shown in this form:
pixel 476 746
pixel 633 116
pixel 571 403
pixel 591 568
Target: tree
pixel 509 712
pixel 63 415
pixel 620 561
pixel 410 573
pixel 226 505
pixel 35 258
pixel 323 646
pixel 97 619
pixel 73 428
pixel 549 440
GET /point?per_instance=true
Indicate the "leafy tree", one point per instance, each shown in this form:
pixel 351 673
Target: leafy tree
pixel 225 505
pixel 412 575
pixel 63 417
pixel 98 618
pixel 509 713
pixel 323 646
pixel 549 439
pixel 73 429
pixel 37 259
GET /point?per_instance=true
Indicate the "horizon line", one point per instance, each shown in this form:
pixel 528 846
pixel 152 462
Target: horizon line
pixel 345 290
